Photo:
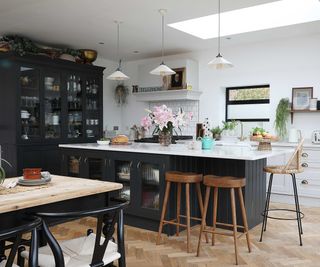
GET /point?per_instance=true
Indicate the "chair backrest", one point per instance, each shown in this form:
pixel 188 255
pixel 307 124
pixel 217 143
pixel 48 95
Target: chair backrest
pixel 295 159
pixel 16 232
pixel 115 216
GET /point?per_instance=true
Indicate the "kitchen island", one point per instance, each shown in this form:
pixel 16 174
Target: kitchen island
pixel 141 169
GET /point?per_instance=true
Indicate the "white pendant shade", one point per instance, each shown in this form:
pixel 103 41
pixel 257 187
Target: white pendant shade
pixel 220 63
pixel 118 76
pixel 162 70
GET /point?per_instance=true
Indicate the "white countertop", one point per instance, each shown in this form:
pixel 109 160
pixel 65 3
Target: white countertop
pixel 307 144
pixel 223 152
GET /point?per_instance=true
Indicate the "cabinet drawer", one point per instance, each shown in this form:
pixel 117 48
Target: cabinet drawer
pixel 313 165
pixel 309 184
pixel 311 155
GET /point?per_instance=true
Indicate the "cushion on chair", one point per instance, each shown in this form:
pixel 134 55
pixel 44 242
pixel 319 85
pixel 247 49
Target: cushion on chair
pixel 281 169
pixel 3 264
pixel 77 252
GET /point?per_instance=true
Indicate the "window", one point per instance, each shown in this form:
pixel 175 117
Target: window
pixel 248 103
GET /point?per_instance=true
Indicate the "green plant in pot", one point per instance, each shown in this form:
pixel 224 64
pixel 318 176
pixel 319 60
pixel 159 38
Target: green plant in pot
pixel 216 132
pixel 229 127
pixel 282 116
pixel 2 171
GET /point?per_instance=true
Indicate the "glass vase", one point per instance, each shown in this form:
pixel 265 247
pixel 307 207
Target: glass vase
pixel 165 138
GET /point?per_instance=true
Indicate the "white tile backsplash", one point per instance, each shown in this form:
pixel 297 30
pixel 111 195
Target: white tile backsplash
pixel 187 106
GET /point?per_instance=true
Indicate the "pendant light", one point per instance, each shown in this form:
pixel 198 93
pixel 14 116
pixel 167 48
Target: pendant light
pixel 219 62
pixel 118 75
pixel 163 69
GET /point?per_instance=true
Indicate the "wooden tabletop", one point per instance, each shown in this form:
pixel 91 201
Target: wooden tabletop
pixel 61 188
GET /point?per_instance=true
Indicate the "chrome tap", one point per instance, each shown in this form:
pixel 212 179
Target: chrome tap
pixel 242 137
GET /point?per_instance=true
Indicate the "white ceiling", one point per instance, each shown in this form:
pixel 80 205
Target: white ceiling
pixel 85 23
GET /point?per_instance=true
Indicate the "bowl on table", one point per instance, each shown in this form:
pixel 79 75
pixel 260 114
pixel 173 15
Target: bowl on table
pixel 103 142
pixel 32 173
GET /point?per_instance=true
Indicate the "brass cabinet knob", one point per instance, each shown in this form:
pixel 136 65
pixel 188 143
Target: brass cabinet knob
pixel 304 182
pixel 305 165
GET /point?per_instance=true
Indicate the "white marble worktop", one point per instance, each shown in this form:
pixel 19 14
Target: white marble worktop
pixel 218 151
pixel 306 144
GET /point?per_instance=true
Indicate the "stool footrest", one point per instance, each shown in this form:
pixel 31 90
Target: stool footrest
pixel 211 231
pixel 192 218
pixel 173 223
pixel 230 225
pixel 282 218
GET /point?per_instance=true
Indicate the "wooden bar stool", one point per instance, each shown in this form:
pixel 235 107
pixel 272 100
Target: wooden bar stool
pixel 292 167
pixel 181 178
pixel 224 182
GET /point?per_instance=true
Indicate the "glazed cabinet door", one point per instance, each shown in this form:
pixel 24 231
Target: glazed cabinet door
pixel 52 101
pixel 96 165
pixel 29 129
pixel 149 172
pixel 93 107
pixel 121 171
pixel 74 99
pixel 73 163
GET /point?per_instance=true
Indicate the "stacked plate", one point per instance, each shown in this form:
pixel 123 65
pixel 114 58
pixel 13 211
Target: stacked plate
pixel 45 178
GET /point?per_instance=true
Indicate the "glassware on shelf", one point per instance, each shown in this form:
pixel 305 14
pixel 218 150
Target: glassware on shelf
pixel 74 99
pixel 29 103
pixel 74 165
pixel 52 114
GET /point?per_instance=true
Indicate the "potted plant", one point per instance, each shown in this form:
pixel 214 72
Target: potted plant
pixel 216 132
pixel 282 116
pixel 229 127
pixel 2 171
pixel 165 122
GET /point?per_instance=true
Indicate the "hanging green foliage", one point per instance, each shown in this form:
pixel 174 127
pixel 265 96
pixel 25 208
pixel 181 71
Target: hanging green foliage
pixel 282 116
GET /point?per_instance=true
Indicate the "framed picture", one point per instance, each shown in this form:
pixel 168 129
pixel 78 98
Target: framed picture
pixel 178 80
pixel 301 98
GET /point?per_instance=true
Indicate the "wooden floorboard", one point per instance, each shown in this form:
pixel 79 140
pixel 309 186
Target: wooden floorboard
pixel 280 246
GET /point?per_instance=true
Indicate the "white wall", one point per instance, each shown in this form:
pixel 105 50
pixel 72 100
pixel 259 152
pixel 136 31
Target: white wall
pixel 111 111
pixel 283 64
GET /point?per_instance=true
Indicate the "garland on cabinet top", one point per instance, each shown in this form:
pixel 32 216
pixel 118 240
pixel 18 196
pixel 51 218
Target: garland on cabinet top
pixel 23 46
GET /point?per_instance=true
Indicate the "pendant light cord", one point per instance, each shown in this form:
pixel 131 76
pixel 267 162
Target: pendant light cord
pixel 118 41
pixel 219 28
pixel 162 47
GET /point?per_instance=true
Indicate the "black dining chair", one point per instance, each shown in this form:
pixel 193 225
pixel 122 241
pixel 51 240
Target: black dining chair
pixel 92 250
pixel 14 236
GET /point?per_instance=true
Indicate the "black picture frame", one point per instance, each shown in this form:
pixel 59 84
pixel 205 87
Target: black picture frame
pixel 177 80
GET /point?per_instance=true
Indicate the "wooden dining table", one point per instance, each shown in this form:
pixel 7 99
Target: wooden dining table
pixel 62 194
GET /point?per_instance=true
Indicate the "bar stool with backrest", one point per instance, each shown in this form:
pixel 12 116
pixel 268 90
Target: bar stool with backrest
pixel 15 233
pixel 291 168
pixel 231 183
pixel 186 179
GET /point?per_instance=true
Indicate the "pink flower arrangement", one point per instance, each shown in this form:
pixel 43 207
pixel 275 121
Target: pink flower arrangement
pixel 164 119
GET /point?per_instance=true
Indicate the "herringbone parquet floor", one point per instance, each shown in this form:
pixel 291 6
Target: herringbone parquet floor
pixel 280 246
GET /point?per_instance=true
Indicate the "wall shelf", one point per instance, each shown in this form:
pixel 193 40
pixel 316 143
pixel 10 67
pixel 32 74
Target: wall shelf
pixel 168 95
pixel 293 111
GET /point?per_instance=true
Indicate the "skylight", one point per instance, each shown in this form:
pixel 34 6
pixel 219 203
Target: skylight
pixel 255 18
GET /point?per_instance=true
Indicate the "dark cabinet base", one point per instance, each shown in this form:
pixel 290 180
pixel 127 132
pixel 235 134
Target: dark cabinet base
pixel 139 216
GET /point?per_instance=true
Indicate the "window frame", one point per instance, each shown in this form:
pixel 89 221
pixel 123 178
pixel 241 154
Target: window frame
pixel 245 102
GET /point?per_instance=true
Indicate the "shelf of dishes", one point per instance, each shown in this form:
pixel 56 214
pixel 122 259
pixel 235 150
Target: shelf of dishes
pixel 52 84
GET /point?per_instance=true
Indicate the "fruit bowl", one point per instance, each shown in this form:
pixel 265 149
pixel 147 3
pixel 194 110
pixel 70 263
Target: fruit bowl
pixel 270 138
pixel 103 142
